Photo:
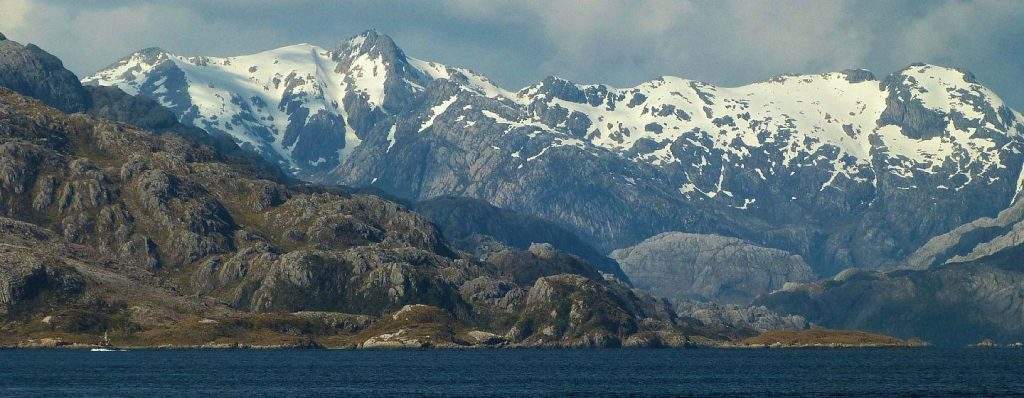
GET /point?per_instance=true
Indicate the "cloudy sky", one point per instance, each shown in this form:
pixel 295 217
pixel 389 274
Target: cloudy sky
pixel 519 42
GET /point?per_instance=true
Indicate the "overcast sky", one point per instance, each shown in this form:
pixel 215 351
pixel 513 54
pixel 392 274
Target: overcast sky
pixel 519 42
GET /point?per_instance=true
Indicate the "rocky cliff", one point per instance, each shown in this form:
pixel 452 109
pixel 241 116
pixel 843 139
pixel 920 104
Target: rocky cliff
pixel 965 286
pixel 685 266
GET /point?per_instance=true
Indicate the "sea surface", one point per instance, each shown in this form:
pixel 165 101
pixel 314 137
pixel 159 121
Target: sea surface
pixel 518 372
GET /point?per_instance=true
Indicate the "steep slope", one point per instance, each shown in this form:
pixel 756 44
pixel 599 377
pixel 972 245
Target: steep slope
pixel 986 239
pixel 966 285
pixel 30 71
pixel 685 266
pixel 840 168
pixel 474 226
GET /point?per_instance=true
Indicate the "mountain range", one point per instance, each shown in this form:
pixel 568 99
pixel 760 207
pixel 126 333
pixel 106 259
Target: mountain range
pixel 840 168
pixel 810 195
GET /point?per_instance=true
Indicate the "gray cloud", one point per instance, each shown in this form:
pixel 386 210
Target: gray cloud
pixel 519 42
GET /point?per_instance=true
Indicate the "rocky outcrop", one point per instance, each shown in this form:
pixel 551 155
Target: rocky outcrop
pixel 982 238
pixel 415 326
pixel 963 286
pixel 684 266
pixel 33 267
pixel 571 310
pixel 731 316
pixel 30 71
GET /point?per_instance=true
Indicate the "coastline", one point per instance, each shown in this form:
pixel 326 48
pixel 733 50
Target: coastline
pixel 811 338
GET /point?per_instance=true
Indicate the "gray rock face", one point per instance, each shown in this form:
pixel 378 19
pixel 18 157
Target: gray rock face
pixel 951 305
pixel 30 71
pixel 31 266
pixel 910 114
pixel 757 318
pixel 982 239
pixel 464 220
pixel 685 266
pixel 966 285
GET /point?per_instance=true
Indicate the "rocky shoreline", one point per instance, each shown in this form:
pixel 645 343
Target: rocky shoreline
pixel 811 338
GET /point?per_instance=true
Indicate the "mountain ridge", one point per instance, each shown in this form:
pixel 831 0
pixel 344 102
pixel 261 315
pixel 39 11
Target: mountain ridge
pixel 776 162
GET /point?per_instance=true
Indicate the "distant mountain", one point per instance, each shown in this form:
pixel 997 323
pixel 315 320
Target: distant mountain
pixel 683 266
pixel 840 168
pixel 302 106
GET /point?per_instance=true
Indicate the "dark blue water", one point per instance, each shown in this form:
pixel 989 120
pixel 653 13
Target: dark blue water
pixel 694 372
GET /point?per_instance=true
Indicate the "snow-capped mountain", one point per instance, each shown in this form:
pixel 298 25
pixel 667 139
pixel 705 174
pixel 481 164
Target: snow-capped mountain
pixel 841 121
pixel 302 106
pixel 840 168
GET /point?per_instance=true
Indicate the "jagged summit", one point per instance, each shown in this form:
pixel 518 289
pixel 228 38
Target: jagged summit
pixel 372 42
pixel 301 106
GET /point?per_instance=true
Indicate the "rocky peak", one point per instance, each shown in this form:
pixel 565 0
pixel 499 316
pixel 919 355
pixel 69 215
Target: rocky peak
pixel 924 98
pixel 375 46
pixel 147 56
pixel 562 89
pixel 152 54
pixel 30 71
pixel 374 60
pixel 858 75
pixel 373 43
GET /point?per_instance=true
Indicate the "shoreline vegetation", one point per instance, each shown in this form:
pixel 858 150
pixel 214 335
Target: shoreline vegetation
pixel 273 331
